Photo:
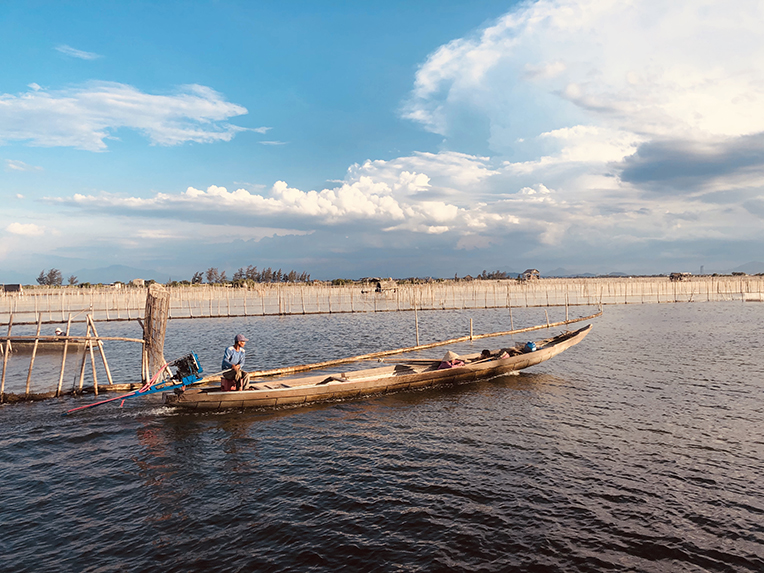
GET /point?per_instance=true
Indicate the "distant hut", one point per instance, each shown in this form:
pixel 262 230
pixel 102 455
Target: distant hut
pixel 138 282
pixel 12 288
pixel 529 275
pixel 674 277
pixel 385 285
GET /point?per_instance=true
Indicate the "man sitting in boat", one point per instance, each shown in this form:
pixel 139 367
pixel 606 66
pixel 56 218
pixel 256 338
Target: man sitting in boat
pixel 234 378
pixel 450 360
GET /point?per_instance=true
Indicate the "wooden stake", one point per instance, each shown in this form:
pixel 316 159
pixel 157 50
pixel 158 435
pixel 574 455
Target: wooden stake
pixel 63 357
pixel 34 352
pixel 5 358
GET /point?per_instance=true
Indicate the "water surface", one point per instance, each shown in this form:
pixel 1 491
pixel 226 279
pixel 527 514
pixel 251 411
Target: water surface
pixel 638 450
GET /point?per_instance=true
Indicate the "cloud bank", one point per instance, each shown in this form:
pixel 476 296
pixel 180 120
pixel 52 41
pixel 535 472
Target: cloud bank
pixel 646 117
pixel 613 131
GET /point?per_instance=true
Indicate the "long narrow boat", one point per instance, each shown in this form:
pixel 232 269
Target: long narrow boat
pixel 404 375
pixel 27 346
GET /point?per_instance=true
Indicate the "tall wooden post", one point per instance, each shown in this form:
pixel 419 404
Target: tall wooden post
pixel 154 326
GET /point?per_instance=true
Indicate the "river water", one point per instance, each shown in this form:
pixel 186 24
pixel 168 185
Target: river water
pixel 641 449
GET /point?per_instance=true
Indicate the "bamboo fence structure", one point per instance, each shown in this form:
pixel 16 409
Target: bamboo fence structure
pixel 153 307
pixel 61 343
pixel 214 301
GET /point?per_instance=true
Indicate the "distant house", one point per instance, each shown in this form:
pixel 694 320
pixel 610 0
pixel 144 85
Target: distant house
pixel 529 275
pixel 383 285
pixel 673 277
pixel 138 282
pixel 12 288
pixel 380 285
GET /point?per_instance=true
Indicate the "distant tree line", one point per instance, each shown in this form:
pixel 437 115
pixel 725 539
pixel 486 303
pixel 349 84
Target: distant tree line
pixel 53 277
pixel 250 275
pixel 486 276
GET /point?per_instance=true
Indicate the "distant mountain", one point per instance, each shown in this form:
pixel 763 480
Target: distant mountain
pixel 558 272
pixel 565 273
pixel 752 268
pixel 116 273
pixel 12 277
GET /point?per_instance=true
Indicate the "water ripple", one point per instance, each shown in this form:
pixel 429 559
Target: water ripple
pixel 624 454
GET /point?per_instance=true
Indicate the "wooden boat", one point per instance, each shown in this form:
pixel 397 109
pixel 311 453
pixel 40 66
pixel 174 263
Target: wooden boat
pixel 304 389
pixel 45 346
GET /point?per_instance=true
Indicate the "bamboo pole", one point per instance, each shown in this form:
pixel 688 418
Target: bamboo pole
pixel 63 356
pixel 78 338
pixel 416 323
pixel 92 358
pixel 5 358
pixel 34 353
pixel 382 354
pixel 103 354
pixel 82 364
pixel 144 365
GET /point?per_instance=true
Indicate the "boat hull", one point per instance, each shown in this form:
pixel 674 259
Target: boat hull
pixel 45 346
pixel 311 389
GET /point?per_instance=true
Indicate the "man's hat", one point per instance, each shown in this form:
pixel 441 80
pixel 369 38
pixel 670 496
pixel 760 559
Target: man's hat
pixel 450 356
pixel 240 338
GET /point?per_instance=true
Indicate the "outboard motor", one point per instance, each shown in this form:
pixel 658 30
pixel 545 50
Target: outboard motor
pixel 187 369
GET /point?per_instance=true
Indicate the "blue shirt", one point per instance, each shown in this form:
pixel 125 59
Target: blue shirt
pixel 231 357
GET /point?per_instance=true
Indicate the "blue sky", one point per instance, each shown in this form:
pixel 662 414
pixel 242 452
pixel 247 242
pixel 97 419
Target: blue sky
pixel 397 139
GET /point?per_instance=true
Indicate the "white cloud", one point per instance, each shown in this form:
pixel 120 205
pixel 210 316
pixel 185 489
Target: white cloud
pixel 649 67
pixel 25 229
pixel 386 195
pixel 84 117
pixel 75 53
pixel 16 165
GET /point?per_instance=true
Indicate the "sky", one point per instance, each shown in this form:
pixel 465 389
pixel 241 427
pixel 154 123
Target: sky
pixel 354 139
